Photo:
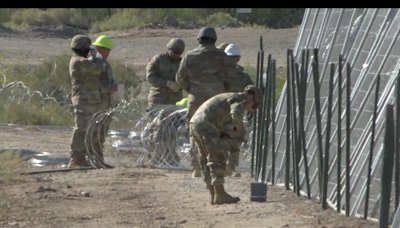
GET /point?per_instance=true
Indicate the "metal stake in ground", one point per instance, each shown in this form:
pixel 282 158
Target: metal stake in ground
pixel 318 116
pixel 254 138
pixel 387 170
pixel 265 120
pixel 339 135
pixel 273 85
pixel 295 137
pixel 348 137
pixel 302 90
pixel 288 111
pixel 397 151
pixel 328 137
pixel 371 152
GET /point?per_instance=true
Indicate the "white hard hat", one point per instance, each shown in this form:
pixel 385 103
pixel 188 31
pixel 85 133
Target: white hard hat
pixel 232 50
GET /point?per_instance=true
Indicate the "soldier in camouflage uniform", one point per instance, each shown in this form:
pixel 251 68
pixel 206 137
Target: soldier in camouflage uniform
pixel 217 119
pixel 88 94
pixel 239 81
pixel 103 45
pixel 160 74
pixel 203 73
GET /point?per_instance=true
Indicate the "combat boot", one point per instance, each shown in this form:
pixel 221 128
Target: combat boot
pixel 196 173
pixel 221 197
pixel 78 161
pixel 212 193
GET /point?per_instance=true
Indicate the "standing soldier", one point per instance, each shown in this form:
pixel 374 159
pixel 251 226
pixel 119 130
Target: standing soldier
pixel 202 74
pixel 86 96
pixel 160 73
pixel 103 45
pixel 217 119
pixel 238 82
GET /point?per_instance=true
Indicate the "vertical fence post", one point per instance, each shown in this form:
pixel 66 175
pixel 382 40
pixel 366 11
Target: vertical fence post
pixel 266 122
pixel 371 152
pixel 318 116
pixel 348 137
pixel 397 151
pixel 387 167
pixel 261 115
pixel 295 132
pixel 254 138
pixel 327 139
pixel 301 93
pixel 273 119
pixel 288 122
pixel 339 135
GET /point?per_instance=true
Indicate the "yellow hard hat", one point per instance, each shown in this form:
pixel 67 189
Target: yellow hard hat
pixel 104 41
pixel 182 102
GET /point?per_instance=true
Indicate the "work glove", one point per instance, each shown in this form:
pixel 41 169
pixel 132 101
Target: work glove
pixel 173 86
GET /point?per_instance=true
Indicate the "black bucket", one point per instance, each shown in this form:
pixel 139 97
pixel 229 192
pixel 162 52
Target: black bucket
pixel 258 192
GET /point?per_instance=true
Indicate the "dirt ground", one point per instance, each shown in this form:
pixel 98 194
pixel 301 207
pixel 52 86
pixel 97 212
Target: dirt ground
pixel 141 197
pixel 137 47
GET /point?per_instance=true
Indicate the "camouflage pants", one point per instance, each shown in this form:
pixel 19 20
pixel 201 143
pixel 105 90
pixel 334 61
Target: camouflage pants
pixel 194 162
pixel 211 151
pixel 234 149
pixel 83 115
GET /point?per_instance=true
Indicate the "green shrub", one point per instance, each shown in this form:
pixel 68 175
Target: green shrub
pixel 91 15
pixel 36 17
pixel 218 19
pixel 5 14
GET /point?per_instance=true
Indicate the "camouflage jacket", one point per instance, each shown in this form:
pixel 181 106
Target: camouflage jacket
pixel 84 74
pixel 203 72
pixel 159 70
pixel 106 78
pixel 240 80
pixel 223 111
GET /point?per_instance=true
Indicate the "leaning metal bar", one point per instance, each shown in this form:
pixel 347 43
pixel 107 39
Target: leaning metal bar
pixel 363 40
pixel 354 59
pixel 382 101
pixel 383 62
pixel 313 133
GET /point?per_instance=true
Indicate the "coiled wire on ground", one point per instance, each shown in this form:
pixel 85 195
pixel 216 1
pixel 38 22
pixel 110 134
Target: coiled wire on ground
pixel 136 135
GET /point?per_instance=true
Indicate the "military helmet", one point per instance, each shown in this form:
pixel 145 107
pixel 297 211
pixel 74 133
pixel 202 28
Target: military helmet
pixel 80 41
pixel 207 32
pixel 177 45
pixel 222 46
pixel 258 95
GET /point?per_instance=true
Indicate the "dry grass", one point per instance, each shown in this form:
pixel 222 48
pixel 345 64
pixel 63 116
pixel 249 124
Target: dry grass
pixel 40 95
pixel 9 163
